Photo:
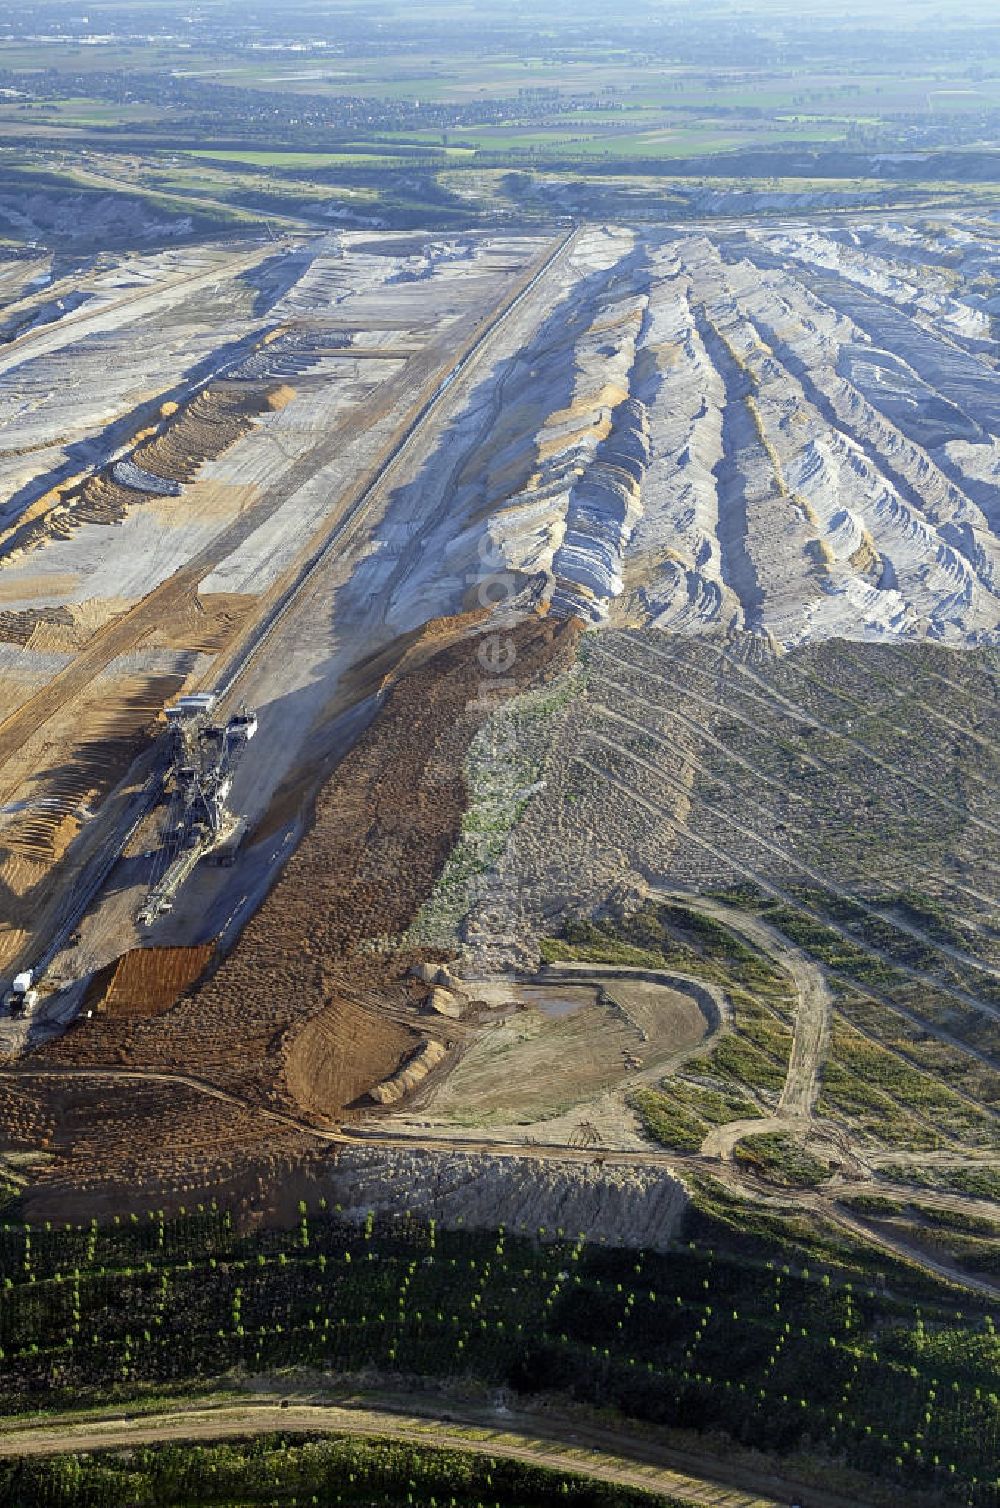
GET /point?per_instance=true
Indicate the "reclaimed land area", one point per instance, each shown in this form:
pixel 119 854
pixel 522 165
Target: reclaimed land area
pixel 724 1377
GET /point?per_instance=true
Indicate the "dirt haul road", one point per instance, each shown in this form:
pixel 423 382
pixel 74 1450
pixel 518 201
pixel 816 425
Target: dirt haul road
pixel 601 1454
pixel 815 1003
pixel 433 390
pixel 825 1207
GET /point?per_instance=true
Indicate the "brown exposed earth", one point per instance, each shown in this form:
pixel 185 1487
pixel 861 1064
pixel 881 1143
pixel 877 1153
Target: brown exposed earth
pixel 312 1007
pixel 210 423
pixel 147 981
pixel 169 1144
pixel 66 747
pixel 567 1046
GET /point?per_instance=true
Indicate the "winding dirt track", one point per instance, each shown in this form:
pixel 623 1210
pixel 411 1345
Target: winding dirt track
pixel 601 1454
pixel 809 1041
pixel 814 1010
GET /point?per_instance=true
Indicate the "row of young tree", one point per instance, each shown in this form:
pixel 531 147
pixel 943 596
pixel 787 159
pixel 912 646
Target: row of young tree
pixel 781 1359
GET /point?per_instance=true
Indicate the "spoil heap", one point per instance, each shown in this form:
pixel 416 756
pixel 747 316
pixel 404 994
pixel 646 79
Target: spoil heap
pixel 214 420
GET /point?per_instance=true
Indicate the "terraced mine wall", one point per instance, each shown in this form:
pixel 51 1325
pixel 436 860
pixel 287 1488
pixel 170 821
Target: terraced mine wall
pixel 762 464
pixel 179 445
pixel 630 1206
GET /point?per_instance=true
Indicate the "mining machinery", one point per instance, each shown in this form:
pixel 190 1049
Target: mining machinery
pixel 22 997
pixel 204 754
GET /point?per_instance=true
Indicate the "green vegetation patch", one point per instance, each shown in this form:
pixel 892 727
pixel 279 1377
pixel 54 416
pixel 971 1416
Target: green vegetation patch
pixel 872 1205
pixel 679 1114
pixel 502 768
pixel 894 1103
pixel 979 1182
pixel 668 936
pixel 291 1468
pixel 740 1062
pixel 960 1220
pixel 672 1124
pixel 361 156
pixel 781 1160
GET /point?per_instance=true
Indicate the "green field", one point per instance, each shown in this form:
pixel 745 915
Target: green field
pixel 303 160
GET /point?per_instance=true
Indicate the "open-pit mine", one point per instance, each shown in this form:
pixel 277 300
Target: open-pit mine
pixel 505 724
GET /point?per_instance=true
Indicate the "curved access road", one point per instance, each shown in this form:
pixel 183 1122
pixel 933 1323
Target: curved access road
pixel 560 1445
pixel 813 1010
